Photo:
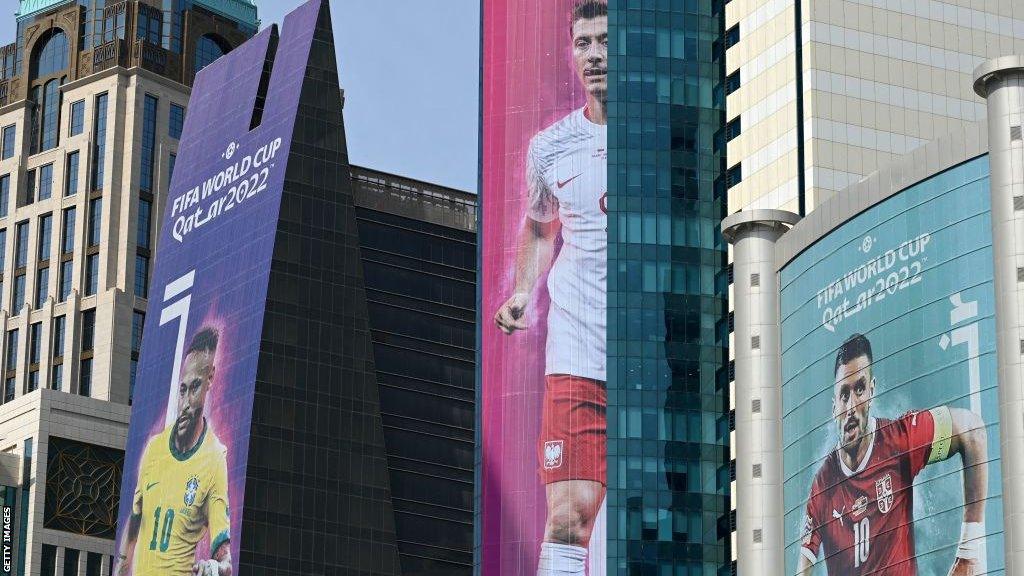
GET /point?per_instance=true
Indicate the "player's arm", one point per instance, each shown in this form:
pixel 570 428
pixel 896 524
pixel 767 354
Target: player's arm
pixel 219 524
pixel 970 441
pixel 959 431
pixel 535 246
pixel 533 256
pixel 127 547
pixel 810 537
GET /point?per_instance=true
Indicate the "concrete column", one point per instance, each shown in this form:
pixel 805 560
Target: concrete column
pixel 59 562
pixel 760 541
pixel 1001 83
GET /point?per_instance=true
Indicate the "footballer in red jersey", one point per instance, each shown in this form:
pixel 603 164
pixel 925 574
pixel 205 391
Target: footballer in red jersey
pixel 860 511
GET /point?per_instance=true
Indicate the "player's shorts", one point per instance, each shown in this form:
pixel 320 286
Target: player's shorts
pixel 573 443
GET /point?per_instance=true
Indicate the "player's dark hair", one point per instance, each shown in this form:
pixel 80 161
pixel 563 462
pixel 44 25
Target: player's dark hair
pixel 587 9
pixel 204 341
pixel 855 346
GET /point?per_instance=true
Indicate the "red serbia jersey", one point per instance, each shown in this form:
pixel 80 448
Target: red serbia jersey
pixel 863 519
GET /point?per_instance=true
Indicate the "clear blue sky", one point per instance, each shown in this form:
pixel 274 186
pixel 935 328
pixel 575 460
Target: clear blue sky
pixel 411 74
pixel 410 69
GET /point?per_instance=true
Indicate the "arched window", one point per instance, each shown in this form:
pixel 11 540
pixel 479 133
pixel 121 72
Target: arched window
pixel 50 60
pixel 50 55
pixel 208 49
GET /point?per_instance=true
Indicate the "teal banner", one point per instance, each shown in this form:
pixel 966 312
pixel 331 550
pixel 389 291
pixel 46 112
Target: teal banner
pixel 891 420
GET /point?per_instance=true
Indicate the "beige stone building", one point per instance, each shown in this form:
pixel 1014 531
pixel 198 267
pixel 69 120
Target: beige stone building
pixel 92 102
pixel 876 79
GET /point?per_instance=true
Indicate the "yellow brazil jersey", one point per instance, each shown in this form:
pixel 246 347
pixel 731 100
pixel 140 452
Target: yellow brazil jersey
pixel 179 498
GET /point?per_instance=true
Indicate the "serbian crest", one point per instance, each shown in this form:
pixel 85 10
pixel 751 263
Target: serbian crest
pixel 883 490
pixel 552 454
pixel 191 488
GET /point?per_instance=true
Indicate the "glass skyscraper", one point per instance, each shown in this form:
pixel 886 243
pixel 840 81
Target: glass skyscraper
pixel 667 288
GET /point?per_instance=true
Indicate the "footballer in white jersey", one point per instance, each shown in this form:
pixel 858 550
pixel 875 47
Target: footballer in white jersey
pixel 566 175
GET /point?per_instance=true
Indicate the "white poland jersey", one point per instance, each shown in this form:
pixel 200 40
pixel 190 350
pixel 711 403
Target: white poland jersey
pixel 567 179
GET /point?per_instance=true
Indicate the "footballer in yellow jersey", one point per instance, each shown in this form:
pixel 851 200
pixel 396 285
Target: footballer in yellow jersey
pixel 182 491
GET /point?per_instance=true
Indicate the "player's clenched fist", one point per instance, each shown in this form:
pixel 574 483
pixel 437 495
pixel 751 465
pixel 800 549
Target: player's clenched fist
pixel 511 316
pixel 211 568
pixel 964 567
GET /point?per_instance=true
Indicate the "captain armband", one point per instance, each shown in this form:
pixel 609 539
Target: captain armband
pixel 942 438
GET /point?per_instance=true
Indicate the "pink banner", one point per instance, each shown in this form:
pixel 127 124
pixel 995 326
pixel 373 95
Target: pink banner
pixel 544 65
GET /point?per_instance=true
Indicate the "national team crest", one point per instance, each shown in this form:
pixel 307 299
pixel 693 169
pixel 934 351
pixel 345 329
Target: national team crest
pixel 191 488
pixel 552 454
pixel 883 490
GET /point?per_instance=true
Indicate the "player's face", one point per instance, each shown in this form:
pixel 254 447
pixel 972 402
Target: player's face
pixel 590 54
pixel 196 374
pixel 853 392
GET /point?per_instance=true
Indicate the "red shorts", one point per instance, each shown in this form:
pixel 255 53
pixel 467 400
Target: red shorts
pixel 573 442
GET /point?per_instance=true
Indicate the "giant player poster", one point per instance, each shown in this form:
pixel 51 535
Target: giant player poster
pixel 891 419
pixel 543 312
pixel 182 495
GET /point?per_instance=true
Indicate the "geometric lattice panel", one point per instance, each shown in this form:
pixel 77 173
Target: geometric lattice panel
pixel 83 487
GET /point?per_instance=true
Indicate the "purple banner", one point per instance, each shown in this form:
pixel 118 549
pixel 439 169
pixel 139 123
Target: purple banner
pixel 182 494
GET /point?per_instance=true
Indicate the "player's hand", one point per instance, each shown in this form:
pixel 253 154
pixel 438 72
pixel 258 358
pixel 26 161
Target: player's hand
pixel 121 568
pixel 964 567
pixel 207 568
pixel 511 316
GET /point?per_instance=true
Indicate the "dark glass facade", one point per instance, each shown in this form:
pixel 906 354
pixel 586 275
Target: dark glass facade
pixel 668 431
pixel 419 261
pixel 317 498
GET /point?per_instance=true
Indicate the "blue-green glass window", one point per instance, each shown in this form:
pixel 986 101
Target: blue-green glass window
pixel 35 342
pixel 99 146
pixel 732 36
pixel 208 49
pixel 5 194
pixel 3 250
pixel 733 129
pixel 92 274
pixel 57 378
pixel 71 174
pixel 10 133
pixel 21 245
pixel 67 236
pixel 45 182
pixel 59 331
pixel 95 221
pixel 45 232
pixel 42 286
pixel 77 117
pixel 148 155
pixel 51 56
pixel 734 176
pixel 176 121
pixel 141 276
pixel 66 279
pixel 732 82
pixel 50 113
pixel 12 350
pixel 170 168
pixel 144 230
pixel 30 187
pixel 18 297
pixel 88 330
pixel 85 378
pixel 150 25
